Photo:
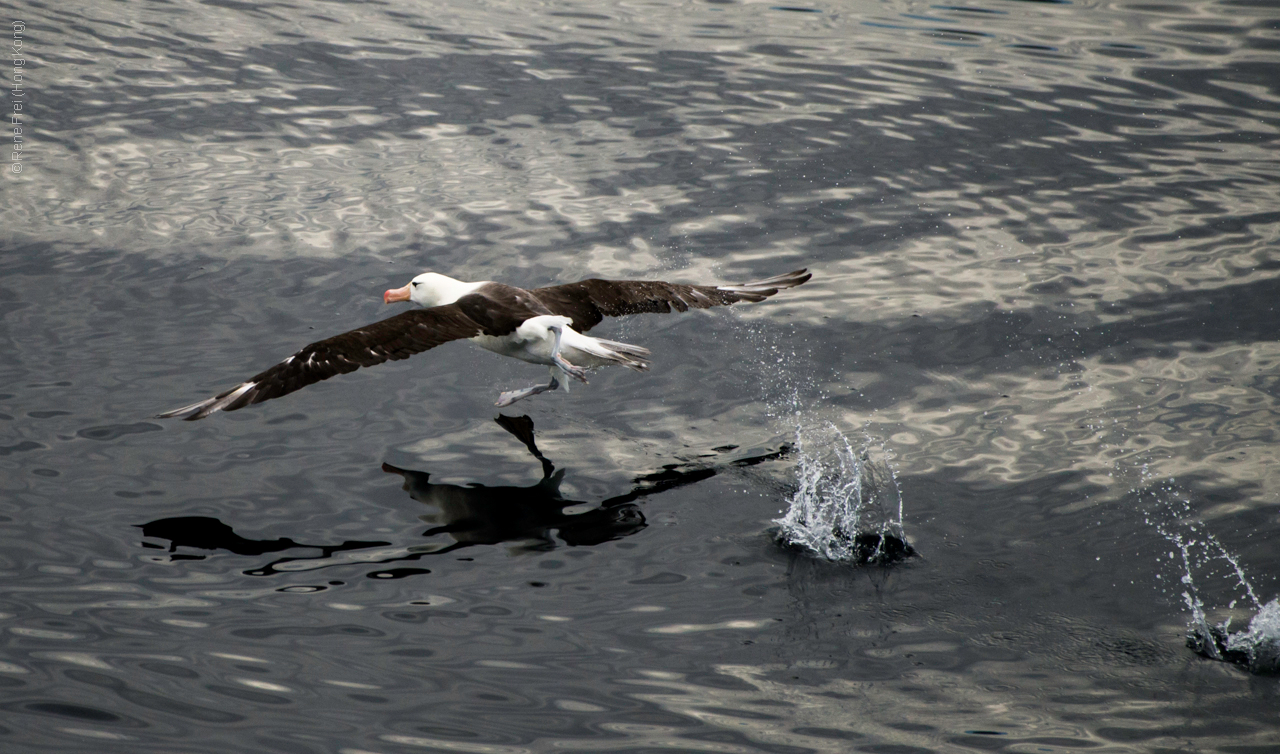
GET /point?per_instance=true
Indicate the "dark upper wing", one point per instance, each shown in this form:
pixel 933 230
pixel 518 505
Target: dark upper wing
pixel 590 301
pixel 394 338
pixel 500 309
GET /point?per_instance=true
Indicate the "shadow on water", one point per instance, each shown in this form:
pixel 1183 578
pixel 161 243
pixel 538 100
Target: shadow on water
pixel 207 533
pixel 533 518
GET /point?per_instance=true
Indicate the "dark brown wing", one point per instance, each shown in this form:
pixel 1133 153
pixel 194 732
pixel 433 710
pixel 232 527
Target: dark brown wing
pixel 394 338
pixel 590 301
pixel 500 309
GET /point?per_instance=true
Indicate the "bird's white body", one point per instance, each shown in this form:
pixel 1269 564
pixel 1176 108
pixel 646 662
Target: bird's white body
pixel 547 339
pixel 535 342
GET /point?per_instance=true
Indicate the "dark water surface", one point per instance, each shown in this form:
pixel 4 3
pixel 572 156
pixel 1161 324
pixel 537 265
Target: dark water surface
pixel 1046 275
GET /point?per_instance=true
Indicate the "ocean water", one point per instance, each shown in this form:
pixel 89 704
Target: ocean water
pixel 1045 240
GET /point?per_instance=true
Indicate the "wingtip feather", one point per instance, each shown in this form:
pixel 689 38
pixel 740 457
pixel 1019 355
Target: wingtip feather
pixel 226 401
pixel 759 290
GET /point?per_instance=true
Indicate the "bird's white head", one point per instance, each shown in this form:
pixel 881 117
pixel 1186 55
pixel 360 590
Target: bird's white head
pixel 429 289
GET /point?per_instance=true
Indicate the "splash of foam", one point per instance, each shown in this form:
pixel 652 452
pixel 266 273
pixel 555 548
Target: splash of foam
pixel 1202 557
pixel 848 506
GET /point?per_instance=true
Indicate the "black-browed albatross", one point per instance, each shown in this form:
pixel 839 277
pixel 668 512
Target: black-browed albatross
pixel 540 326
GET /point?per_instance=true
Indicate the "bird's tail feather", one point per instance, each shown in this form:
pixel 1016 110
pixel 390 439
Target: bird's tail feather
pixel 632 357
pixel 609 351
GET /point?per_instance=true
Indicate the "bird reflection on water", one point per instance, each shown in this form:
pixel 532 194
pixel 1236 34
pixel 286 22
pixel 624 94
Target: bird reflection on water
pixel 533 518
pixel 476 514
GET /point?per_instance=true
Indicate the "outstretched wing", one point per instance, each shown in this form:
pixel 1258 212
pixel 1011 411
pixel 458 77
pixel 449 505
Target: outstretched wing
pixel 590 301
pixel 391 339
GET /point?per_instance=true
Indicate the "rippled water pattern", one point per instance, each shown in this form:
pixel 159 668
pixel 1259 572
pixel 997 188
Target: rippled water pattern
pixel 1046 274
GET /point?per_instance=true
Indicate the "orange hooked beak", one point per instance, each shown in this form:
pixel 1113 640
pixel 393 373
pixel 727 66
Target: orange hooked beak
pixel 396 294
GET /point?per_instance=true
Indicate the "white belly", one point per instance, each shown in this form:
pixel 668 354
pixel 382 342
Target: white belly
pixel 532 341
pixel 516 348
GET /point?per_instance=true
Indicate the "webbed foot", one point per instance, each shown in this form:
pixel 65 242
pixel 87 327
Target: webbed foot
pixel 577 372
pixel 511 396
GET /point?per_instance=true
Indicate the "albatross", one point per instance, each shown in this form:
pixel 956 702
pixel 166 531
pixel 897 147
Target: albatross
pixel 541 326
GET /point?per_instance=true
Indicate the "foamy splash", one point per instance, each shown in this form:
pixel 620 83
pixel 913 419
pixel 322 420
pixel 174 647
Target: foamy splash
pixel 1204 559
pixel 848 507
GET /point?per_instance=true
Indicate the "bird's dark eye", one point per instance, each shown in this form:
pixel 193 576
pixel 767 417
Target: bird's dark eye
pixel 415 285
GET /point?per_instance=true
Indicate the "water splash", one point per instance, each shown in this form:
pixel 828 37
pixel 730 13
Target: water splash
pixel 848 507
pixel 1203 559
